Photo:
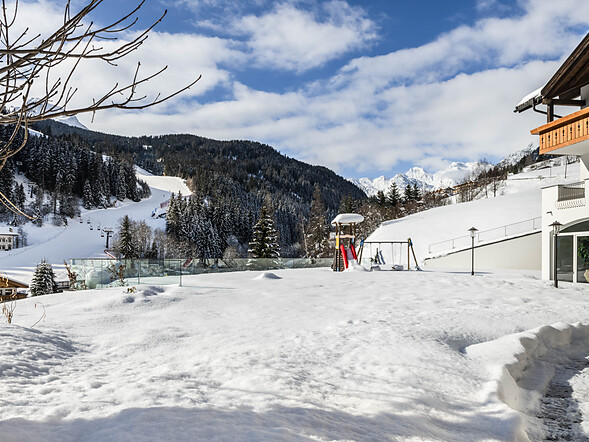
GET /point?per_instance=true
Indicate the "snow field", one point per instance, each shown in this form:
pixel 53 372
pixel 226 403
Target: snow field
pixel 314 355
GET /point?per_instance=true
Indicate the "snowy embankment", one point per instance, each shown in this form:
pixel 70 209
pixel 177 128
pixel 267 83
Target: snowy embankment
pixel 522 365
pixel 520 199
pixel 313 355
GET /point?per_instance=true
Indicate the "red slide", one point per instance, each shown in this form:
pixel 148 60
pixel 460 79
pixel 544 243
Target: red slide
pixel 344 256
pixel 353 252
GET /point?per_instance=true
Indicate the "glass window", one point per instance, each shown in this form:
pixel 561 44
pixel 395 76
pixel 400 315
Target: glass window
pixel 583 259
pixel 564 260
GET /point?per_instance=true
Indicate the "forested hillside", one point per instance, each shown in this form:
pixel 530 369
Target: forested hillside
pixel 64 175
pixel 231 180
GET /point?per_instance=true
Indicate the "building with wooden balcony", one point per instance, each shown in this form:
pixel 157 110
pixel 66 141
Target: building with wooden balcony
pixel 11 289
pixel 564 101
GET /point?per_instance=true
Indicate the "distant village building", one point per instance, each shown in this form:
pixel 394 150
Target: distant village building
pixel 8 239
pixel 565 212
pixel 9 289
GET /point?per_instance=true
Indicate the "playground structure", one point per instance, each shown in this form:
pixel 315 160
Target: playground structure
pixel 345 237
pixel 390 254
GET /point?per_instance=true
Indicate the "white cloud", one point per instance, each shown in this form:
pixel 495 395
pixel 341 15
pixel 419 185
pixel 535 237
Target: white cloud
pixel 290 38
pixel 450 99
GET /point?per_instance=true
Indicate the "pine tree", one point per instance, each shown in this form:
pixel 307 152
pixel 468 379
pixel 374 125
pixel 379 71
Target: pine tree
pixel 19 198
pixel 393 196
pixel 126 242
pixel 38 217
pixel 264 242
pixel 43 281
pixel 415 192
pixel 172 217
pixel 380 198
pixel 88 199
pixel 121 184
pixel 408 192
pixel 317 234
pixel 348 205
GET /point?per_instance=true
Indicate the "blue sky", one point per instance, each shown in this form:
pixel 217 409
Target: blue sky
pixel 366 88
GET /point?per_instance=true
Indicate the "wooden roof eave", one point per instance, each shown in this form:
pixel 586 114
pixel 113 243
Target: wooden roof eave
pixel 571 74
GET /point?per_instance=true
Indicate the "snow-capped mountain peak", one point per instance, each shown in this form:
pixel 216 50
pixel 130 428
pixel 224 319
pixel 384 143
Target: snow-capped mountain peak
pixel 71 121
pixel 451 176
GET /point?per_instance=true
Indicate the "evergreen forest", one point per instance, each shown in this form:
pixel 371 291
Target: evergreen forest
pixel 64 175
pixel 231 181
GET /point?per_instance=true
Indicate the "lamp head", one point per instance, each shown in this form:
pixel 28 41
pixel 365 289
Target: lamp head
pixel 556 227
pixel 473 231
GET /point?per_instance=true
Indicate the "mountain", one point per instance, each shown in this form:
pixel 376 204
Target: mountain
pixel 234 178
pixel 449 177
pixel 71 121
pixel 514 158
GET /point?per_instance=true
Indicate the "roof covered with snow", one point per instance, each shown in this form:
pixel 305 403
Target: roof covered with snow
pixel 529 100
pixel 347 218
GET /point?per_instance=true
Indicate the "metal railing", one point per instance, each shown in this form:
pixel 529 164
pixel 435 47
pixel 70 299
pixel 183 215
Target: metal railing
pixel 569 192
pixel 464 242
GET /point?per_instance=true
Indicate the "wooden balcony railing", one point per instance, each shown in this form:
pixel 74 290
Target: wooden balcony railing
pixel 565 131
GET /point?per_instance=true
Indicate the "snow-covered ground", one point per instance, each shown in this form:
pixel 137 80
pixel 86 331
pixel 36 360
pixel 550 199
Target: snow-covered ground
pixel 298 354
pixel 314 355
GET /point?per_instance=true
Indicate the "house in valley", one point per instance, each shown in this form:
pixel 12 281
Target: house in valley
pixel 7 239
pixel 565 212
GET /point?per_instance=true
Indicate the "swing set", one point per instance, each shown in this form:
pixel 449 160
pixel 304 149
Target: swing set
pixel 347 255
pixel 397 249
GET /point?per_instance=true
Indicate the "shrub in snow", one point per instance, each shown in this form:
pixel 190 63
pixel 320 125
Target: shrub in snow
pixel 43 281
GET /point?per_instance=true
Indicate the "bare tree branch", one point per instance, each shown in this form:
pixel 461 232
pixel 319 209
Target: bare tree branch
pixel 26 61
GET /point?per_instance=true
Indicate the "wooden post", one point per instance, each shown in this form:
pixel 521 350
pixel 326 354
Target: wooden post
pixel 413 251
pixel 550 112
pixel 408 256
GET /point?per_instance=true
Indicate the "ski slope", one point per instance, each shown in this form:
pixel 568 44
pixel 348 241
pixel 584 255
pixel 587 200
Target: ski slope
pixel 76 240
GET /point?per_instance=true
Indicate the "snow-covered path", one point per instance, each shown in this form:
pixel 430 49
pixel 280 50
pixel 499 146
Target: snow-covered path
pixel 314 355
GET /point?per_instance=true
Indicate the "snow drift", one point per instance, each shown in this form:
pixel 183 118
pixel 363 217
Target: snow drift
pixel 521 366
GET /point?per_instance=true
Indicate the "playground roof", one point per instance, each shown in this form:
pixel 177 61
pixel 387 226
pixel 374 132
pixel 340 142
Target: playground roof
pixel 347 218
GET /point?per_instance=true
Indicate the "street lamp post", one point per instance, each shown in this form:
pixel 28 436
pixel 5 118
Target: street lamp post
pixel 473 232
pixel 555 231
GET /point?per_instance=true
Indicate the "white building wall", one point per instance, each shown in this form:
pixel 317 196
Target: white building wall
pixel 519 253
pixel 584 167
pixel 566 213
pixel 585 95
